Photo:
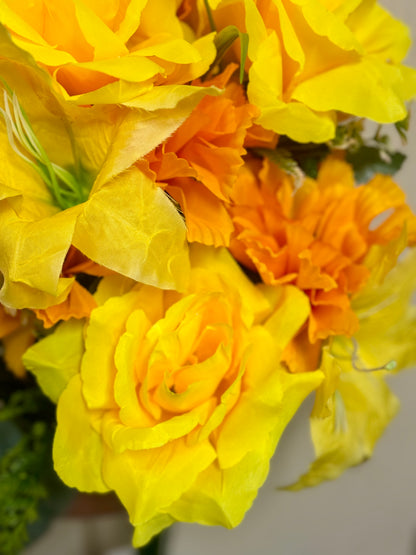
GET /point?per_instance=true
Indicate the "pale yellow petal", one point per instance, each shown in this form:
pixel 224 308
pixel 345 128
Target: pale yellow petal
pixel 75 435
pixel 369 97
pixel 359 412
pixel 57 358
pixel 31 258
pixel 160 476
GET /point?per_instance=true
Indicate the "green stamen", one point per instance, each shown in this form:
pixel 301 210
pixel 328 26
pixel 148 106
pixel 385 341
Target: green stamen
pixel 65 188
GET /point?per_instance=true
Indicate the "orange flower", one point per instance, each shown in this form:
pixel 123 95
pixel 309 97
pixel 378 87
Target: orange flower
pixel 199 163
pixel 16 334
pixel 316 238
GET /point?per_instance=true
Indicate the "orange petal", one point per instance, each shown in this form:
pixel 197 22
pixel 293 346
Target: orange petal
pixel 207 220
pixel 78 304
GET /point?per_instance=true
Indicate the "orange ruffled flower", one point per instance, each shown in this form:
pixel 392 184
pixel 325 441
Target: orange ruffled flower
pixel 199 163
pixel 316 238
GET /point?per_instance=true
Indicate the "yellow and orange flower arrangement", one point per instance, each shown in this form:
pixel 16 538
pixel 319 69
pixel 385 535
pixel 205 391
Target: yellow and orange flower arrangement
pixel 175 279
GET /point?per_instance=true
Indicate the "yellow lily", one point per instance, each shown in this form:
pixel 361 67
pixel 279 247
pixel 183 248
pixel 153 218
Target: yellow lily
pixel 354 405
pixel 118 217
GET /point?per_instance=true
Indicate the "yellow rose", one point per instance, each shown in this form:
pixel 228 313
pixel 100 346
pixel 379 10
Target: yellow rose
pixel 175 402
pixel 308 60
pixel 108 52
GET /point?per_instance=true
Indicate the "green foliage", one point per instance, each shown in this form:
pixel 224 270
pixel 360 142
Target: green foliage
pixel 281 157
pixel 369 160
pixel 402 127
pixel 21 486
pixel 27 479
pixel 368 156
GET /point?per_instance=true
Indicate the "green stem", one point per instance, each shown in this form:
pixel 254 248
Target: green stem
pixel 156 546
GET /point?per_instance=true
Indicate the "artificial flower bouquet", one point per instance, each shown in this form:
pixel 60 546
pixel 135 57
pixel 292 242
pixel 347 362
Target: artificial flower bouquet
pixel 197 231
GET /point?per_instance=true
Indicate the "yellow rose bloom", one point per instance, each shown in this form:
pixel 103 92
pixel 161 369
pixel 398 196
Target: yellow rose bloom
pixel 67 176
pixel 309 59
pixel 175 401
pixel 101 52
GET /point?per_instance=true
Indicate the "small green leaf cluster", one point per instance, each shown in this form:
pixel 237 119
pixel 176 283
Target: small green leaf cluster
pixel 368 156
pixel 27 423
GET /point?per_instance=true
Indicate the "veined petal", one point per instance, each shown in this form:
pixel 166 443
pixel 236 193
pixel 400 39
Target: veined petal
pixel 31 268
pixel 146 234
pixel 359 412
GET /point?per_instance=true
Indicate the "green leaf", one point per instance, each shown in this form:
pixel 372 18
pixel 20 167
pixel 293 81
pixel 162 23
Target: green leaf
pixel 369 160
pixel 402 128
pixel 30 492
pixel 210 17
pixel 282 158
pixel 225 39
pixel 244 50
pixel 21 488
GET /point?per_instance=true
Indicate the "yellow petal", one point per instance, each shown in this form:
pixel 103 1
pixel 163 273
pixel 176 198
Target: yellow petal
pixel 107 323
pixel 144 532
pixel 359 412
pixel 75 435
pixel 161 476
pixel 139 132
pixel 291 311
pixel 142 236
pixel 131 68
pixel 131 19
pixel 56 359
pixel 269 399
pixel 379 33
pixel 387 318
pixel 171 96
pixel 31 258
pixel 212 269
pixel 105 43
pixel 298 121
pixel 221 496
pixel 374 97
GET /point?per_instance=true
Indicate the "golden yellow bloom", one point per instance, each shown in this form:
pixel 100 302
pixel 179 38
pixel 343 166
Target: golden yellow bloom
pixel 176 402
pixel 309 60
pixel 76 184
pixel 101 52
